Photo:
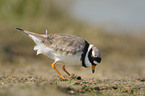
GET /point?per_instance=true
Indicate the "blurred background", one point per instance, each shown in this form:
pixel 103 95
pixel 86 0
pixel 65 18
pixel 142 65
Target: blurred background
pixel 116 28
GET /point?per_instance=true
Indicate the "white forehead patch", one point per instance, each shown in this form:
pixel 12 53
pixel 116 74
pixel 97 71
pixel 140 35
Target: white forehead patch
pixel 93 53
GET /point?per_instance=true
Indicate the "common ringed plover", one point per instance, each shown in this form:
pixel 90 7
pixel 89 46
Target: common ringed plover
pixel 65 48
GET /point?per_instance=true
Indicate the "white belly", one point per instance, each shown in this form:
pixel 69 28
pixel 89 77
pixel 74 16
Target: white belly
pixel 71 59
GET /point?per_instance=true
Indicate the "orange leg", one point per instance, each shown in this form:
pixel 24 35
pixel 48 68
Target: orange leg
pixel 53 66
pixel 63 68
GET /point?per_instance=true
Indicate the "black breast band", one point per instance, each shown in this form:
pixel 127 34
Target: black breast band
pixel 84 53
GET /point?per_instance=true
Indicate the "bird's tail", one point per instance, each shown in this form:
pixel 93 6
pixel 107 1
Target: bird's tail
pixel 37 38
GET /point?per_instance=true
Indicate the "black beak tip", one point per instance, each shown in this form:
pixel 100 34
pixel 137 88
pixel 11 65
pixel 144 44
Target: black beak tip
pixel 93 71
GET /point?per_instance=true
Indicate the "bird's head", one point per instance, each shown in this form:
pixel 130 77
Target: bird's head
pixel 94 57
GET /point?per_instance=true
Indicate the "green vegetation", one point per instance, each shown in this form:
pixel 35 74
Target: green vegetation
pixel 22 73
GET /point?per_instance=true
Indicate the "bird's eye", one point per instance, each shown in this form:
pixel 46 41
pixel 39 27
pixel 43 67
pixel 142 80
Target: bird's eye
pixel 98 59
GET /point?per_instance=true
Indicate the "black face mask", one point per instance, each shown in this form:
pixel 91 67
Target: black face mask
pixel 91 59
pixel 98 59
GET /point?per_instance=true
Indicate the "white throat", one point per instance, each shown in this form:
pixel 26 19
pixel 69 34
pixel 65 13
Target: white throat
pixel 88 63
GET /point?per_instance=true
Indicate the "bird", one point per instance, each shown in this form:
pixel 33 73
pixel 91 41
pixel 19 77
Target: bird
pixel 65 48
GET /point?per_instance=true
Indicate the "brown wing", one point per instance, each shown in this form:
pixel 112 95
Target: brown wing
pixel 64 43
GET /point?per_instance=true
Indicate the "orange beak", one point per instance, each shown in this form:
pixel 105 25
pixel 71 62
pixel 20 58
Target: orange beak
pixel 93 68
